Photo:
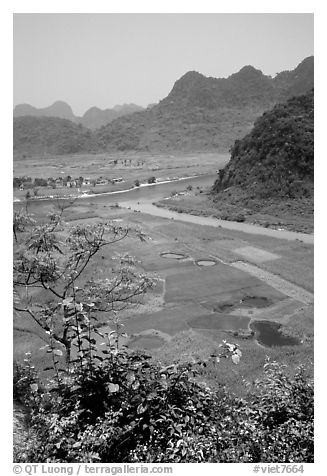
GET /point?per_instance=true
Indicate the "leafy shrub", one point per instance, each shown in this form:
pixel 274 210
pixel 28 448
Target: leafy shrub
pixel 123 406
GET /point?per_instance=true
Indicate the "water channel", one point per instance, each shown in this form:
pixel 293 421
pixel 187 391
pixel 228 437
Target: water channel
pixel 141 199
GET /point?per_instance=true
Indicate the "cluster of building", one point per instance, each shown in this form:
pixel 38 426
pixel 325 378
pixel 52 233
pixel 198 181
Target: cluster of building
pixel 25 183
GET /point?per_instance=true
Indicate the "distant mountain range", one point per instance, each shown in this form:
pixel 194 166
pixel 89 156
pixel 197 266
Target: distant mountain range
pixel 57 109
pixel 93 117
pixel 199 114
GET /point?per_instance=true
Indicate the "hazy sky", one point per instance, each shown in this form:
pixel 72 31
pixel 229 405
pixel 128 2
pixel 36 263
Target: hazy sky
pixel 107 59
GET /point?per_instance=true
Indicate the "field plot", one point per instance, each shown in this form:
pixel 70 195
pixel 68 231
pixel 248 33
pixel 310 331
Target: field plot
pixel 213 282
pixel 128 165
pixel 193 308
pixel 255 254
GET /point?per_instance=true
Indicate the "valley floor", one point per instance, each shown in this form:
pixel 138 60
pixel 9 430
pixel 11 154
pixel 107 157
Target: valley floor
pixel 193 308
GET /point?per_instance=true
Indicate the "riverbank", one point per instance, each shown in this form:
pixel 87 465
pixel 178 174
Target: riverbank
pixel 125 169
pixel 292 215
pixel 124 187
pixel 205 220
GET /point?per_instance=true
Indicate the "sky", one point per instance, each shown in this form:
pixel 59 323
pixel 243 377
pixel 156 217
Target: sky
pixel 107 59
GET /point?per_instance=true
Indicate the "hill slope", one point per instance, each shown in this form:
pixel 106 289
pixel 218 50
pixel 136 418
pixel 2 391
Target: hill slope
pixel 199 114
pixel 203 113
pixel 269 179
pixel 276 157
pixel 95 117
pixel 271 170
pixel 52 135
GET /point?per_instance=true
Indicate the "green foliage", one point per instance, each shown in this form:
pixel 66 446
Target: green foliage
pixel 121 406
pixel 276 157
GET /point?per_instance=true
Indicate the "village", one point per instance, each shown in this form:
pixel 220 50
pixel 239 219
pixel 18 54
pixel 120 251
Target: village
pixel 25 182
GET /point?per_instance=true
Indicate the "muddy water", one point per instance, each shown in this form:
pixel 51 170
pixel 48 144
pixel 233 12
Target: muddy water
pixel 268 334
pixel 255 302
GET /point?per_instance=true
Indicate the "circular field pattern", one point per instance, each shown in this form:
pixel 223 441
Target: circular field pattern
pixel 206 262
pixel 171 255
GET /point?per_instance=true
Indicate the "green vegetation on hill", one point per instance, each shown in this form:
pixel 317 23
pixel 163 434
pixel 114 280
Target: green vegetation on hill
pixel 276 158
pixel 51 135
pixel 92 118
pixel 269 179
pixel 199 114
pixel 202 113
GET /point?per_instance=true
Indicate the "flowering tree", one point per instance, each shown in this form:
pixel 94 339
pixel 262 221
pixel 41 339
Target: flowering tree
pixel 52 259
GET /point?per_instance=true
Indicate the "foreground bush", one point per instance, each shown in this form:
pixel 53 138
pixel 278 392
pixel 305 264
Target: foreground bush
pixel 124 407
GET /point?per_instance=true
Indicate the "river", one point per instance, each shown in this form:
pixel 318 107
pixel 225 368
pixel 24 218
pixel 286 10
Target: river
pixel 141 199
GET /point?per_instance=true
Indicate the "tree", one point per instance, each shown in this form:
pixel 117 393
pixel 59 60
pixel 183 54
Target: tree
pixel 53 259
pixel 137 183
pixel 40 182
pixel 152 180
pixel 17 182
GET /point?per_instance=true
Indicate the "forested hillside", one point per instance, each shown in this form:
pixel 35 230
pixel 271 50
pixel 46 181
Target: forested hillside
pixel 51 135
pixel 203 113
pixel 276 157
